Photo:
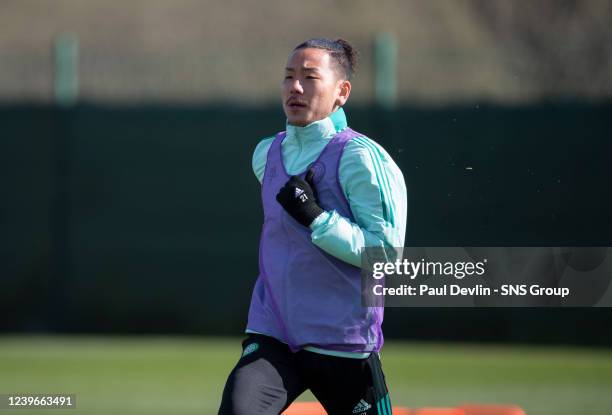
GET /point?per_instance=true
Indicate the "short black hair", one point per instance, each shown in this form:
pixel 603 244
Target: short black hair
pixel 340 50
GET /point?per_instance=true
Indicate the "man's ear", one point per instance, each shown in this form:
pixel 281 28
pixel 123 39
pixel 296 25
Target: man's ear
pixel 344 92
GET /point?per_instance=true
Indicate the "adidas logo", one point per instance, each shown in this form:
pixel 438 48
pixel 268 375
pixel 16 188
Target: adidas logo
pixel 299 193
pixel 361 406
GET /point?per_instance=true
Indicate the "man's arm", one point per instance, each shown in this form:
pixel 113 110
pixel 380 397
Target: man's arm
pixel 260 156
pixel 375 189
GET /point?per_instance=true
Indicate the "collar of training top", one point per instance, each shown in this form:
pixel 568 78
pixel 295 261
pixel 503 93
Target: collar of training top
pixel 325 128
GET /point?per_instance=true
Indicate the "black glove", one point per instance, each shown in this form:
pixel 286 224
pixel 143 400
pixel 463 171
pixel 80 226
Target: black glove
pixel 298 198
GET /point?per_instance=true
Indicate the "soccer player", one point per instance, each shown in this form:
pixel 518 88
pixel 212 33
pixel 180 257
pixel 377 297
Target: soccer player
pixel 328 192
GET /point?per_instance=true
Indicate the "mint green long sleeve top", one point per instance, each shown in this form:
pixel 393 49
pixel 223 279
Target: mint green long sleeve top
pixel 371 181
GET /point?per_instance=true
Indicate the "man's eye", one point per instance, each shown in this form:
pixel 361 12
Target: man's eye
pixel 288 77
pixel 311 77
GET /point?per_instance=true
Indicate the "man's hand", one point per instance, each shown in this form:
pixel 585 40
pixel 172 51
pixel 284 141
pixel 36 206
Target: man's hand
pixel 298 198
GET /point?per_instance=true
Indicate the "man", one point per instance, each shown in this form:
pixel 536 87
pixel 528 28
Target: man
pixel 328 192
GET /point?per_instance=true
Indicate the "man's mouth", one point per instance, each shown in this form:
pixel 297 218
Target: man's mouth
pixel 296 104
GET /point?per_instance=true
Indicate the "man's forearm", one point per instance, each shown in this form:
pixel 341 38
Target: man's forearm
pixel 344 239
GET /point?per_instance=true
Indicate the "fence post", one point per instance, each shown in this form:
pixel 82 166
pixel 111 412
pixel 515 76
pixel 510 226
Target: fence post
pixel 66 65
pixel 385 70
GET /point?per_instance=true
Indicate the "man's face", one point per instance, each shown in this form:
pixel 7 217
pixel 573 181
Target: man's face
pixel 312 88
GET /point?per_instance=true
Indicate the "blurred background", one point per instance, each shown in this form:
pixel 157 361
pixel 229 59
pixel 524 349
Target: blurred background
pixel 128 245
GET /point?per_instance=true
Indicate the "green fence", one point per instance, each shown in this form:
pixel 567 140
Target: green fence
pixel 147 219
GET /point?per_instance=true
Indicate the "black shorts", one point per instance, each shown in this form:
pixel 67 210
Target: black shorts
pixel 268 377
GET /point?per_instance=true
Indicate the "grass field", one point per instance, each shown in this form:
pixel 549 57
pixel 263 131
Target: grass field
pixel 185 375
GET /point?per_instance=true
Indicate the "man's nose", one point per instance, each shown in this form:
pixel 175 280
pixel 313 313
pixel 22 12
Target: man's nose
pixel 296 87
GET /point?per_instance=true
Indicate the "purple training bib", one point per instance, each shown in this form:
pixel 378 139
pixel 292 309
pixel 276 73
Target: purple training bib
pixel 304 296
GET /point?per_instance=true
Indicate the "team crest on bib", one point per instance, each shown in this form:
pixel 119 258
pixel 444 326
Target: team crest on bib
pixel 318 169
